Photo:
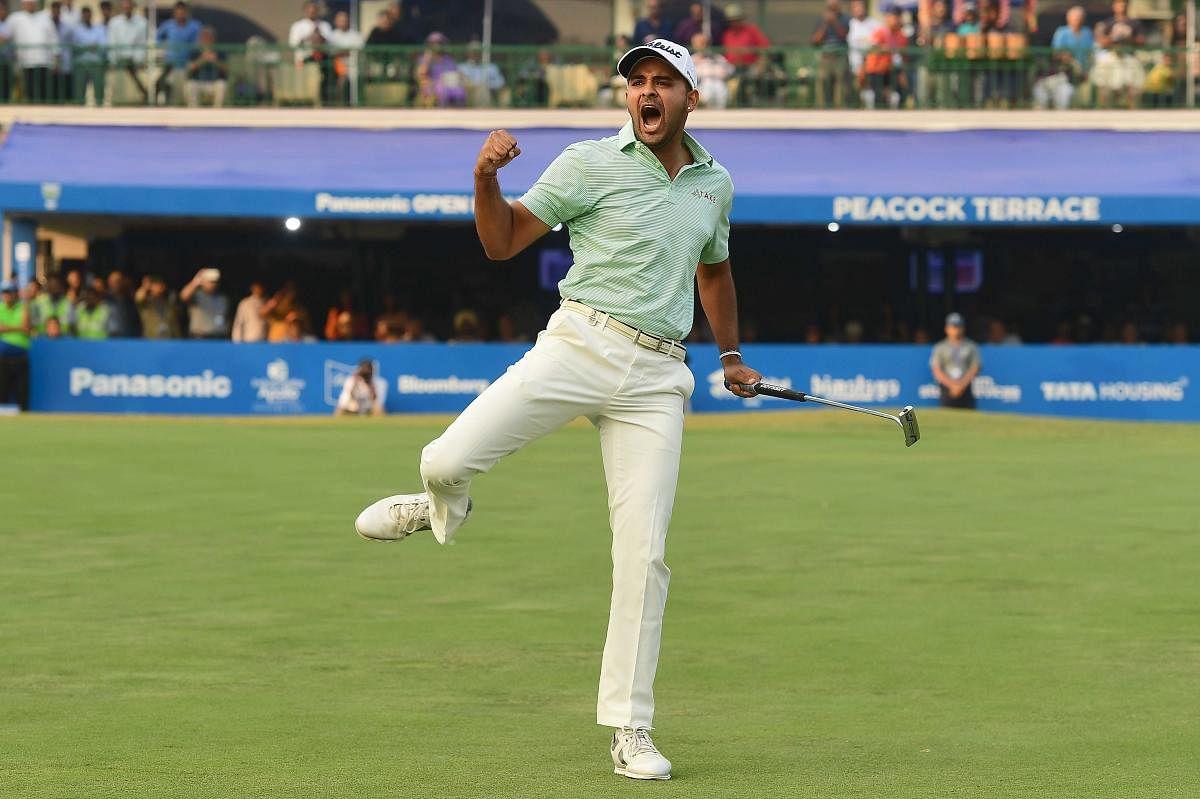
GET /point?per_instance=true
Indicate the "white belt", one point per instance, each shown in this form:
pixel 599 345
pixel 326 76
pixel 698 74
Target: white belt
pixel 595 318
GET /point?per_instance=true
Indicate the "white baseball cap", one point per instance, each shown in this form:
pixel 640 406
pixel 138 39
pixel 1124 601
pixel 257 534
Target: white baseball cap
pixel 674 54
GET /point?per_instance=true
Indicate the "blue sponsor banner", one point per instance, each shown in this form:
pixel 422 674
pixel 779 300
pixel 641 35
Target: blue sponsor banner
pixel 186 377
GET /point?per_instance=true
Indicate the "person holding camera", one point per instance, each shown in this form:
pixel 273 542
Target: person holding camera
pixel 363 393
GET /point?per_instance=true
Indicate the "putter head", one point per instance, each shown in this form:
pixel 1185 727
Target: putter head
pixel 908 423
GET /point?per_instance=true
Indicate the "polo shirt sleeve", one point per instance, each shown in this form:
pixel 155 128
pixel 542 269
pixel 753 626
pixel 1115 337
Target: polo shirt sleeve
pixel 717 248
pixel 561 193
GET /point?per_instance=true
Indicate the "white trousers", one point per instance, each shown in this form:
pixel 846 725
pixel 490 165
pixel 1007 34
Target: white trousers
pixel 635 397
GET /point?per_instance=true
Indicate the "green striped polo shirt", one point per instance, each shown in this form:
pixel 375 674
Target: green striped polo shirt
pixel 636 234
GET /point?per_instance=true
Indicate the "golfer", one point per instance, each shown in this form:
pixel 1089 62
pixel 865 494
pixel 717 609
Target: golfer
pixel 644 208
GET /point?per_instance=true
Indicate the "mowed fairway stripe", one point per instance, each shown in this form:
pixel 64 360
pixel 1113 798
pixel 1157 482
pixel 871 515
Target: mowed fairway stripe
pixel 1008 609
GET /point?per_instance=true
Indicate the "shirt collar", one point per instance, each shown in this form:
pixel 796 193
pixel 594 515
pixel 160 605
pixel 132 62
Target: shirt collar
pixel 625 138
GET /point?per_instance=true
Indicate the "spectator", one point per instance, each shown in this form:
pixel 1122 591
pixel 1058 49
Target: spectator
pixel 206 72
pixel 936 25
pixel 653 25
pixel 158 308
pixel 357 321
pixel 1062 334
pixel 64 70
pixel 414 331
pixel 1118 69
pixel 344 45
pixel 249 324
pixel 955 363
pixel 1160 88
pixel 467 328
pixel 921 336
pixel 90 39
pixel 179 36
pixel 693 23
pixel 812 333
pixel 208 309
pixel 387 32
pixel 92 316
pixel 969 22
pixel 52 302
pixel 388 332
pixel 296 329
pixel 6 73
pixel 883 73
pixel 33 35
pixel 74 285
pixel 713 72
pixel 364 392
pixel 1177 333
pixel 438 78
pixel 482 85
pixel 127 44
pixel 279 311
pixel 1072 52
pixel 745 47
pixel 854 332
pixel 998 334
pixel 1130 334
pixel 106 12
pixel 125 322
pixel 392 319
pixel 54 328
pixel 859 34
pixel 309 34
pixel 15 328
pixel 832 68
pixel 533 85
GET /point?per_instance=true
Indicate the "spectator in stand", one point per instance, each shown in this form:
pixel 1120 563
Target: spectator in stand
pixel 64 70
pixel 178 37
pixel 296 329
pixel 357 327
pixel 954 364
pixel 998 334
pixel 936 24
pixel 652 26
pixel 1177 333
pixel 482 85
pixel 693 23
pixel 125 320
pixel 364 392
pixel 467 328
pixel 853 332
pixel 859 35
pixel 6 73
pixel 1118 70
pixel 713 72
pixel 206 72
pixel 249 324
pixel 387 331
pixel 309 35
pixel 106 12
pixel 344 45
pixel 52 302
pixel 158 308
pixel 1062 334
pixel 93 316
pixel 387 32
pixel 415 332
pixel 74 285
pixel 34 36
pixel 833 75
pixel 91 59
pixel 127 44
pixel 1072 45
pixel 883 73
pixel 281 310
pixel 1130 334
pixel 745 47
pixel 1160 88
pixel 812 333
pixel 208 308
pixel 970 20
pixel 392 320
pixel 15 329
pixel 438 79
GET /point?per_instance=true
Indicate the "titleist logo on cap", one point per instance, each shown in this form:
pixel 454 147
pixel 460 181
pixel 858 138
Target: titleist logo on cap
pixel 659 44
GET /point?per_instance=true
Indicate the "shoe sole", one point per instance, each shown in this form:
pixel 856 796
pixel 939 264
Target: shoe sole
pixel 366 537
pixel 633 776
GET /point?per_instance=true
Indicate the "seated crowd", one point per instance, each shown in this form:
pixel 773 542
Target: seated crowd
pixel 912 53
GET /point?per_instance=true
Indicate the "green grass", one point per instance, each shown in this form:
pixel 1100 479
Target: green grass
pixel 1010 609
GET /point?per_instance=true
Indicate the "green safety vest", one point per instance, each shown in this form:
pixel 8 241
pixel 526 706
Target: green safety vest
pixel 91 324
pixel 14 316
pixel 43 308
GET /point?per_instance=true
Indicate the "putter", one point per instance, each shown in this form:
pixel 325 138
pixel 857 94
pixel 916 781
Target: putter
pixel 907 420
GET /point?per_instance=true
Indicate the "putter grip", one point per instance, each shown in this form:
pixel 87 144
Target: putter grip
pixel 768 390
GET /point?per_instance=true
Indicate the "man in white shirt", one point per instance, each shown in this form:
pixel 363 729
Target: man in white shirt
pixel 344 45
pixel 64 77
pixel 858 36
pixel 308 32
pixel 5 56
pixel 34 37
pixel 364 393
pixel 127 44
pixel 249 325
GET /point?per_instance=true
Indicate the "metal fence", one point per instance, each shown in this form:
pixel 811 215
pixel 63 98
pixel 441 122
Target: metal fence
pixel 965 72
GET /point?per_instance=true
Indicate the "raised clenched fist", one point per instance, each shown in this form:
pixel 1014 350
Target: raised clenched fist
pixel 498 150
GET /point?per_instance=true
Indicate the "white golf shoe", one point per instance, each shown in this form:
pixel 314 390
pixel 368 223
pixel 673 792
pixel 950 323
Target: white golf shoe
pixel 635 756
pixel 395 518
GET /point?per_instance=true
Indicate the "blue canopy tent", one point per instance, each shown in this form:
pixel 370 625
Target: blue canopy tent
pixel 972 177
